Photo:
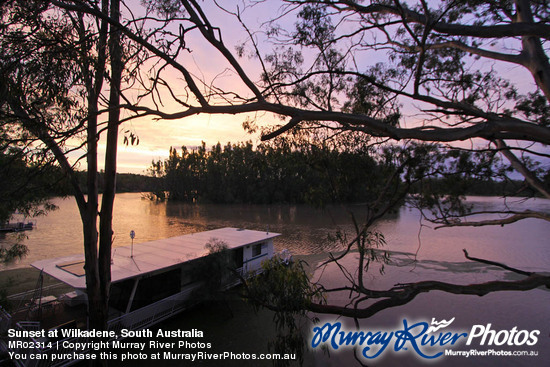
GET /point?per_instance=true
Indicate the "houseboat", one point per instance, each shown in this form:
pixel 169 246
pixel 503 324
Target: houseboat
pixel 151 282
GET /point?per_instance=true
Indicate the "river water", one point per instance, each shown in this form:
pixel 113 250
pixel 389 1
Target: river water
pixel 304 229
pixel 418 253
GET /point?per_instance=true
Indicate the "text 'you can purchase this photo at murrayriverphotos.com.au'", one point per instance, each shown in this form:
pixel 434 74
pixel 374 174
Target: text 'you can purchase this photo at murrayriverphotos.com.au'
pixel 63 346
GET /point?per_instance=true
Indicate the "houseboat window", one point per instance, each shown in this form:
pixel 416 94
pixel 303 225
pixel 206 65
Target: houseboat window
pixel 157 287
pixel 120 294
pixel 257 250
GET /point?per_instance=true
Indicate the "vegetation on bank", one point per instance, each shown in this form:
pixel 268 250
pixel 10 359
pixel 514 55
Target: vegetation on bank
pixel 28 182
pixel 26 185
pixel 240 173
pixel 128 182
pixel 286 172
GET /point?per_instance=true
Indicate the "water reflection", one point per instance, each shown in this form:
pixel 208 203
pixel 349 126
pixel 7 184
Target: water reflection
pixel 304 229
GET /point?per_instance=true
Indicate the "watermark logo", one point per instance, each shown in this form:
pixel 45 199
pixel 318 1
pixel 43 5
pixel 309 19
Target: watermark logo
pixel 439 325
pixel 428 341
pixel 503 337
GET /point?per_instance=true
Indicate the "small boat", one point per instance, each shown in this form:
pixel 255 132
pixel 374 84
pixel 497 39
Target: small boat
pixel 16 227
pixel 151 282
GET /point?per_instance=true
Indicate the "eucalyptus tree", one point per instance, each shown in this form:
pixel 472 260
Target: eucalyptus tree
pixel 54 65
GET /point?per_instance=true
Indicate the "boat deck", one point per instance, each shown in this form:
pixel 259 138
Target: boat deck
pixel 132 261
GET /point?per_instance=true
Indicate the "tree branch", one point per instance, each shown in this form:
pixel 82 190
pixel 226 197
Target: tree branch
pixel 208 32
pixel 522 169
pixel 82 7
pixel 407 292
pixel 500 265
pixel 541 30
pixel 499 222
pixel 489 130
pixel 515 59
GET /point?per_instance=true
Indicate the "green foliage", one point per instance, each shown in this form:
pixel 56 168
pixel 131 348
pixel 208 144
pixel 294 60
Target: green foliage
pixel 367 99
pixel 535 107
pixel 16 251
pixel 367 244
pixel 164 8
pixel 271 173
pixel 27 183
pixel 370 243
pixel 214 271
pixel 40 97
pixel 314 27
pixel 40 76
pixel 286 289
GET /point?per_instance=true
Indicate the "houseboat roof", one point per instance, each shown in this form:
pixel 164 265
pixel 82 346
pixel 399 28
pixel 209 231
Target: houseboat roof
pixel 151 256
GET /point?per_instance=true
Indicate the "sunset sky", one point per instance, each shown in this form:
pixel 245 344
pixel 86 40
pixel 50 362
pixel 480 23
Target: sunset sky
pixel 157 136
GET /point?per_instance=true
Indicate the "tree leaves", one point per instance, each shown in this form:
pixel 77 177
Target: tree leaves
pixel 285 289
pixel 294 170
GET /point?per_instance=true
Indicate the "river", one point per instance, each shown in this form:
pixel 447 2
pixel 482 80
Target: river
pixel 418 253
pixel 304 229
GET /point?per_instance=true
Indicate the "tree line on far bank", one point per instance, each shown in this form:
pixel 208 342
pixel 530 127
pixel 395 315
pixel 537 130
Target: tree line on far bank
pixel 266 174
pixel 27 183
pixel 283 172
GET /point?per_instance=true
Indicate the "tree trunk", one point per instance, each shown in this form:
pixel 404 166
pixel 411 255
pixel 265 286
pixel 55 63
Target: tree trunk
pixel 89 217
pixel 532 50
pixel 106 218
pixel 97 310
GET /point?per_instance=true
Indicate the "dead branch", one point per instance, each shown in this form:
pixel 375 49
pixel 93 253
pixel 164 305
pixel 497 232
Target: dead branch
pixel 500 265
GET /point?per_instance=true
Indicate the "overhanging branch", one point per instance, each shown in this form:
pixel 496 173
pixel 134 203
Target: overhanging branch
pixel 489 130
pixel 499 222
pixel 404 293
pixel 541 30
pixel 500 265
pixel 529 176
pixel 407 292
